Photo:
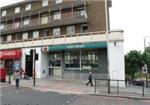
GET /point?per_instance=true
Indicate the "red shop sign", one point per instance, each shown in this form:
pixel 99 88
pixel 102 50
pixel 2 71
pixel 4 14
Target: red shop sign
pixel 10 54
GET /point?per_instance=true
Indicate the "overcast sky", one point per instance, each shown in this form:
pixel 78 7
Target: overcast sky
pixel 132 16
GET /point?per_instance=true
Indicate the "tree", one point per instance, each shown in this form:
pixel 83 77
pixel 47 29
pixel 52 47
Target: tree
pixel 146 57
pixel 133 62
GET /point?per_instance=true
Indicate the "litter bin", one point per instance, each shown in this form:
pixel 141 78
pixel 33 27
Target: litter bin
pixel 2 74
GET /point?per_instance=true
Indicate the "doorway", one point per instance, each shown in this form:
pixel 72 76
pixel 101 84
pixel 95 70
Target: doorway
pixel 9 66
pixel 28 66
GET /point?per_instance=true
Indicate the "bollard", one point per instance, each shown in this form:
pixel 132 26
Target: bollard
pixel 143 89
pixel 117 87
pixel 108 86
pixel 95 86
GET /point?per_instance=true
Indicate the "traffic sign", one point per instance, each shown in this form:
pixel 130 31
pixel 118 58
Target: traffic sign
pixel 145 69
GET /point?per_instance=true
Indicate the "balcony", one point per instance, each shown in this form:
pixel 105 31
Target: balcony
pixel 50 21
pixel 64 39
pixel 51 8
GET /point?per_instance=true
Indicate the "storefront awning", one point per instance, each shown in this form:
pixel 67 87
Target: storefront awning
pixel 10 54
pixel 78 46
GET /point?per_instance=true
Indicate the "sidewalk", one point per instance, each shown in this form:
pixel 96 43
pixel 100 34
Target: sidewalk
pixel 74 87
pixel 66 86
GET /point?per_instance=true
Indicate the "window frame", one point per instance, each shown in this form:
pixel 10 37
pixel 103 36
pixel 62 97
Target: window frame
pixel 57 15
pixel 69 29
pixel 4 12
pixel 83 13
pixel 9 38
pixel 56 30
pixel 26 21
pixel 45 3
pixel 84 25
pixel 25 35
pixel 2 26
pixel 44 19
pixel 58 1
pixel 17 10
pixel 35 34
pixel 27 7
pixel 16 24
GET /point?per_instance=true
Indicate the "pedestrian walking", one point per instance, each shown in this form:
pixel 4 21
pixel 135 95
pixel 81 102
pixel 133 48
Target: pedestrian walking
pixel 17 78
pixel 90 79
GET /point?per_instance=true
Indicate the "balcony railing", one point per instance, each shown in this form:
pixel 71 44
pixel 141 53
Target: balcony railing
pixel 113 37
pixel 73 16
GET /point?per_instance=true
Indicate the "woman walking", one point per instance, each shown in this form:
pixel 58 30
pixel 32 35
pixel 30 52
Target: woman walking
pixel 17 78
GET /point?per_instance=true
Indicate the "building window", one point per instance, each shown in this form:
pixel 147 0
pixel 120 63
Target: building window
pixel 57 15
pixel 83 13
pixel 35 34
pixel 1 39
pixel 18 36
pixel 16 25
pixel 58 1
pixel 55 60
pixel 84 28
pixel 25 35
pixel 70 29
pixel 86 60
pixel 2 26
pixel 4 13
pixel 46 33
pixel 56 31
pixel 28 7
pixel 44 20
pixel 26 21
pixel 9 38
pixel 17 9
pixel 72 60
pixel 45 3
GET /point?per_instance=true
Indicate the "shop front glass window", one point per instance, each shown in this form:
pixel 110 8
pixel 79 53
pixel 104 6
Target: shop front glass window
pixel 89 60
pixel 72 59
pixel 84 60
pixel 55 60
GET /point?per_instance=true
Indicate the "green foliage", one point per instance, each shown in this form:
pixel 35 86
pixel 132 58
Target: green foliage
pixel 146 57
pixel 139 75
pixel 134 60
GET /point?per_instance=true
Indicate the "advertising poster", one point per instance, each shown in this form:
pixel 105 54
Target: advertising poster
pixel 17 65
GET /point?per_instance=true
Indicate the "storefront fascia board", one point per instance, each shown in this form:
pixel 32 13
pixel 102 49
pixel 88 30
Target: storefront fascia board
pixel 10 54
pixel 78 46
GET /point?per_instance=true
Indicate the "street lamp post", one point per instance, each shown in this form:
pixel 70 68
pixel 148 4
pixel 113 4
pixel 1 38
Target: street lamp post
pixel 145 57
pixel 107 40
pixel 9 73
pixel 34 52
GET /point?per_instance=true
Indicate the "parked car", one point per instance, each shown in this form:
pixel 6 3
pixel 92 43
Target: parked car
pixel 138 82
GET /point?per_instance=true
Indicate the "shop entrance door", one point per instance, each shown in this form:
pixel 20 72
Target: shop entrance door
pixel 55 64
pixel 9 66
pixel 28 66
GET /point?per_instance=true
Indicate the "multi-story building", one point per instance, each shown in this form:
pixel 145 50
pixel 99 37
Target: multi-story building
pixel 71 38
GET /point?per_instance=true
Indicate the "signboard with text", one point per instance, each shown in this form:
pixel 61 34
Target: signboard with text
pixel 10 54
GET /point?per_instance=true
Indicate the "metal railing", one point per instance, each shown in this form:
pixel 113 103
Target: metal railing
pixel 54 37
pixel 122 87
pixel 50 19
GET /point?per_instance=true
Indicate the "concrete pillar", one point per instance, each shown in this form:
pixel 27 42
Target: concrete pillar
pixel 116 58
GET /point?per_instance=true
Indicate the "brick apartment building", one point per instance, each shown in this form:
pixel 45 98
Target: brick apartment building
pixel 71 38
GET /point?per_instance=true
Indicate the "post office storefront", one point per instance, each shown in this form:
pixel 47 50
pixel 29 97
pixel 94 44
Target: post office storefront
pixel 74 61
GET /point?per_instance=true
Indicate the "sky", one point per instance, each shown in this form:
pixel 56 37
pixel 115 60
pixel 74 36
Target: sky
pixel 132 16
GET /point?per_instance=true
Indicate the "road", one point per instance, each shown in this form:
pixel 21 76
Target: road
pixel 9 95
